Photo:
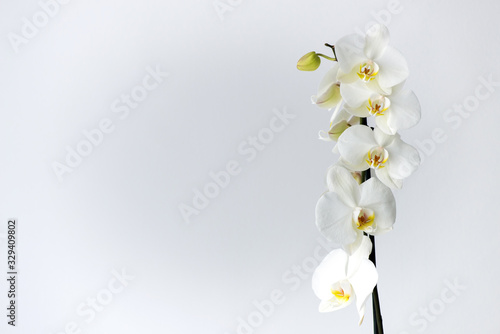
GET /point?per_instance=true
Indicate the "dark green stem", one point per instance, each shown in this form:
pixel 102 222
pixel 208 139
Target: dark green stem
pixel 378 327
pixel 333 49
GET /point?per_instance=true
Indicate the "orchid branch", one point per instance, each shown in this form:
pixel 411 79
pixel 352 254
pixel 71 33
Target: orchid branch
pixel 378 327
pixel 333 49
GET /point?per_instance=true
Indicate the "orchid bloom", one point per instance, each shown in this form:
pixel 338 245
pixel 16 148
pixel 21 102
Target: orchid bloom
pixel 392 159
pixel 341 120
pixel 340 279
pixel 348 209
pixel 393 112
pixel 333 170
pixel 329 90
pixel 371 60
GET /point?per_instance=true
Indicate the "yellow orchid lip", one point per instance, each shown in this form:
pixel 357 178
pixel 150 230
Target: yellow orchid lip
pixel 341 296
pixel 378 105
pixel 377 157
pixel 341 291
pixel 363 219
pixel 368 70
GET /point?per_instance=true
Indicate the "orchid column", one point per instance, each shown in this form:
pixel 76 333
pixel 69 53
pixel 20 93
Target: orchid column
pixel 364 86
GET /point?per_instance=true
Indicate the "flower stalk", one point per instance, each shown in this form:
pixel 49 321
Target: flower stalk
pixel 333 49
pixel 378 327
pixel 326 57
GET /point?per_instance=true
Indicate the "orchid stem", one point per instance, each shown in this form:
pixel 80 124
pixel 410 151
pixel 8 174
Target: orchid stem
pixel 326 57
pixel 378 327
pixel 333 49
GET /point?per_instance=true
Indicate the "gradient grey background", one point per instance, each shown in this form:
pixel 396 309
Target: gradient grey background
pixel 119 209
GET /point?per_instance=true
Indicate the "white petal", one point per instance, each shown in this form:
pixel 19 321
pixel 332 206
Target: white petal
pixel 361 312
pixel 342 163
pixel 374 86
pixel 341 181
pixel 349 52
pixel 376 40
pixel 329 78
pixel 385 178
pixel 323 135
pixel 379 198
pixel 354 145
pixel 398 88
pixel 359 111
pixel 403 159
pixel 328 91
pixel 331 270
pixel 363 282
pixel 349 77
pixel 361 253
pixel 356 94
pixel 329 98
pixel 393 68
pixel 352 248
pixel 354 120
pixel 334 220
pixel 404 111
pixel 339 116
pixel 383 139
pixel 382 123
pixel 331 305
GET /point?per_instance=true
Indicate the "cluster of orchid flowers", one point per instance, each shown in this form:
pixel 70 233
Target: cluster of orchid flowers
pixel 365 84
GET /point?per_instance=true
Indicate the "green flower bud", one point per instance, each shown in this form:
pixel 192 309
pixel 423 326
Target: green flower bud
pixel 309 62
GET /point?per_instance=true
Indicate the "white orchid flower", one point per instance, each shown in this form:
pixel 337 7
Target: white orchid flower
pixel 371 60
pixel 393 112
pixel 348 209
pixel 340 121
pixel 329 90
pixel 331 172
pixel 392 159
pixel 341 279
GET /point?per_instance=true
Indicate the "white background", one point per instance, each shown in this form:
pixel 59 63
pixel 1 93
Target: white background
pixel 119 208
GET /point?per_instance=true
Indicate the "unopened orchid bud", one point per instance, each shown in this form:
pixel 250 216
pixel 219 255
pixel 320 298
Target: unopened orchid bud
pixel 309 62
